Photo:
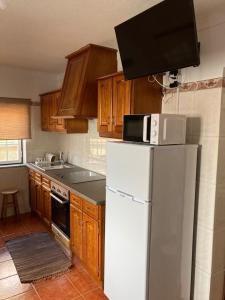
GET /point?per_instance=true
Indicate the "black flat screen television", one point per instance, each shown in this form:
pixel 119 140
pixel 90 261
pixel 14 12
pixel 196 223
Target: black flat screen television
pixel 160 39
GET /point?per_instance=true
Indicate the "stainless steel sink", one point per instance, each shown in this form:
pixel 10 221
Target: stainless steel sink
pixel 45 166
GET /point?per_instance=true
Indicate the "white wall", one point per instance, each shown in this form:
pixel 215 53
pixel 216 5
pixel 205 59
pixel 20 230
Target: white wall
pixel 21 83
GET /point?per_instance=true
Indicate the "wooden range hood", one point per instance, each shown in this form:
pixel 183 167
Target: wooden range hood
pixel 79 90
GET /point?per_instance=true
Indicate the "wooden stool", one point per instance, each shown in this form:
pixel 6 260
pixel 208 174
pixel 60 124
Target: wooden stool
pixel 6 195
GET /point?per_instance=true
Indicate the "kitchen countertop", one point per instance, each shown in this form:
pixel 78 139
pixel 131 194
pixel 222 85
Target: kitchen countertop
pixel 92 191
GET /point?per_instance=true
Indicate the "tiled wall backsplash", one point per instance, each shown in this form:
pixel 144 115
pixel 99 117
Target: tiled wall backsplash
pixel 204 109
pixel 86 150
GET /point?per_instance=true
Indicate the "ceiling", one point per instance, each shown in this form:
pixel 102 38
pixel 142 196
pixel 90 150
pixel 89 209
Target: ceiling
pixel 38 34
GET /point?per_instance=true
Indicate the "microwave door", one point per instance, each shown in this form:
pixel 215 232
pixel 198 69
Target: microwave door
pixel 133 128
pixel 146 129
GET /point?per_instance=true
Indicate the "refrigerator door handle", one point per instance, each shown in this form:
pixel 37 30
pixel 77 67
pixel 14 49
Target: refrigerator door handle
pixel 125 195
pixel 139 200
pixel 111 189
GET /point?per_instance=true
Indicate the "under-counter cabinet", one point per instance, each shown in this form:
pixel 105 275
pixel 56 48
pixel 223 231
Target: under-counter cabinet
pixel 87 234
pixel 46 199
pixel 118 97
pixel 40 199
pixel 49 108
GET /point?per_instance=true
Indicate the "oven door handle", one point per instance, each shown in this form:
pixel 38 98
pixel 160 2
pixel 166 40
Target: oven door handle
pixel 59 200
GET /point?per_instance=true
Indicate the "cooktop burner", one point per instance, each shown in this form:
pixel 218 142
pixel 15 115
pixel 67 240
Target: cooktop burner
pixel 81 176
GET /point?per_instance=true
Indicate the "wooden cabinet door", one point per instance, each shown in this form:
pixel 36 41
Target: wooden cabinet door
pixel 46 200
pixel 76 231
pixel 44 113
pixel 33 202
pixel 59 122
pixel 39 206
pixel 105 94
pixel 72 85
pixel 91 244
pixel 121 103
pixel 52 111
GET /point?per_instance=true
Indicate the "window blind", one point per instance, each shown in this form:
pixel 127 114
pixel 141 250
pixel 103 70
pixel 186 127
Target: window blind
pixel 15 122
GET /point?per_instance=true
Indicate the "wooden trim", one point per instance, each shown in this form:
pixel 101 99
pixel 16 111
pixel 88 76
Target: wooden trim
pixel 51 92
pixel 85 48
pixel 15 100
pixel 110 75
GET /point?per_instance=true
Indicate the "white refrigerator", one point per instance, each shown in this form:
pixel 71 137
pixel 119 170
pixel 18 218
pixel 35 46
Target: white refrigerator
pixel 150 200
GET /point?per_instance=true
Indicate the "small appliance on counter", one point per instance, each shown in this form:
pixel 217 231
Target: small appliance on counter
pixel 50 157
pixel 155 129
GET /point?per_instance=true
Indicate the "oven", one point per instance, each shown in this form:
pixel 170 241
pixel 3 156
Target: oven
pixel 60 209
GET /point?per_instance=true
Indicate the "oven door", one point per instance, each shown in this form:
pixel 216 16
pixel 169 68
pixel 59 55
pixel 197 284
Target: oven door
pixel 137 128
pixel 61 213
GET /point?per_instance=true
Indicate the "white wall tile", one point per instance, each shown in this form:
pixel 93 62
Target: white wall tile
pixel 208 157
pixel 201 285
pixel 204 248
pixel 206 203
pixel 207 105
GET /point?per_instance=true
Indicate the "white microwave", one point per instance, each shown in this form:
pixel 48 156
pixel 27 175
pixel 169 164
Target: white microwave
pixel 155 129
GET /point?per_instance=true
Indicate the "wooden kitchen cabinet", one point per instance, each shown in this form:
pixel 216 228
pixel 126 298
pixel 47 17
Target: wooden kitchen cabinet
pixel 46 199
pixel 76 234
pixel 118 97
pixel 33 201
pixel 79 90
pixel 49 107
pixel 40 199
pixel 90 243
pixel 87 234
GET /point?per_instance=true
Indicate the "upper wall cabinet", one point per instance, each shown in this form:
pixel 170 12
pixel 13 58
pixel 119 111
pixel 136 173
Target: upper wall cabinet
pixel 49 108
pixel 118 97
pixel 79 91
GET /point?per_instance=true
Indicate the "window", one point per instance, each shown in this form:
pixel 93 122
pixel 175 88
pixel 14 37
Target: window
pixel 10 152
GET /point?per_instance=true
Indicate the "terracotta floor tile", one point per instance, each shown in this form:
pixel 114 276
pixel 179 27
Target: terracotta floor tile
pixel 95 295
pixel 4 254
pixel 7 268
pixel 56 289
pixel 82 281
pixel 12 228
pixel 12 286
pixel 77 264
pixel 30 295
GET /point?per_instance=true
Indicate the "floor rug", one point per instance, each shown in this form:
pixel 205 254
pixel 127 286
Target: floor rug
pixel 37 256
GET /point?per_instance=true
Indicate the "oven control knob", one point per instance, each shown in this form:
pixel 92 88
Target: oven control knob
pixel 64 194
pixel 154 133
pixel 58 190
pixel 53 187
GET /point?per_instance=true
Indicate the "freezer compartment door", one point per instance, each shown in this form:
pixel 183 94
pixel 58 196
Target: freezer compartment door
pixel 126 247
pixel 129 169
